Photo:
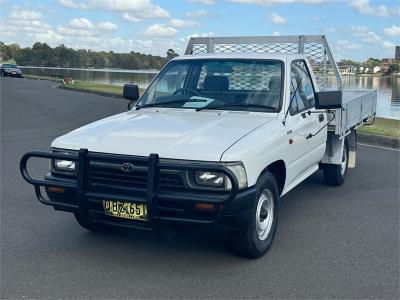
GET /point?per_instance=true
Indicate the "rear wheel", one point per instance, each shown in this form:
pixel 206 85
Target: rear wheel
pixel 335 175
pixel 256 239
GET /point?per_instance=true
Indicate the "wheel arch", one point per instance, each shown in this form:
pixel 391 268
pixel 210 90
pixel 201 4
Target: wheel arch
pixel 278 169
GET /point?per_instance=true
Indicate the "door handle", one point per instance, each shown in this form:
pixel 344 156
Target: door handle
pixel 321 117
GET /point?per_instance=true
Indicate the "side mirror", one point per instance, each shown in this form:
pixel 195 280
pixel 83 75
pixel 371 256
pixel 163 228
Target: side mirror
pixel 328 100
pixel 131 92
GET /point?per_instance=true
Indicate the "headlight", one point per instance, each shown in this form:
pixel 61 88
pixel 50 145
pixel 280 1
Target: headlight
pixel 210 178
pixel 64 165
pixel 216 179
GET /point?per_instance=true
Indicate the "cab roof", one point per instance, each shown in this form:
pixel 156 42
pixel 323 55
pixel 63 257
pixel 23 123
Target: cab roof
pixel 242 55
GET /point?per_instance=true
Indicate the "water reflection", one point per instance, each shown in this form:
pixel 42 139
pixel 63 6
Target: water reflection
pixel 388 88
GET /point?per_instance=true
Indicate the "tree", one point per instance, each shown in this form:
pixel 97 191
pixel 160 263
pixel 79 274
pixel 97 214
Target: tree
pixel 394 68
pixel 42 54
pixel 171 54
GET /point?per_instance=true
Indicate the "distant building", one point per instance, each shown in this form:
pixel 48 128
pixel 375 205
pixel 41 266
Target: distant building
pixel 377 69
pixel 387 60
pixel 397 55
pixel 385 64
pixel 343 69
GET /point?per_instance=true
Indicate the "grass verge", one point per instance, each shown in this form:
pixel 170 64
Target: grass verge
pixel 383 127
pixel 55 79
pixel 110 89
pixel 95 87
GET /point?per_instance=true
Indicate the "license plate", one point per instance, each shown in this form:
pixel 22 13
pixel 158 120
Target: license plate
pixel 14 73
pixel 125 210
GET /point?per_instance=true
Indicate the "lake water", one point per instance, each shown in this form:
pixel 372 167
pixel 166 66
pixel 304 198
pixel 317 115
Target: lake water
pixel 388 88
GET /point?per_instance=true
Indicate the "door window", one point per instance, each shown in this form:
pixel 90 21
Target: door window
pixel 301 88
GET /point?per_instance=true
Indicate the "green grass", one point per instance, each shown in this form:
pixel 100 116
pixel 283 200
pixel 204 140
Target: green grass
pixel 114 90
pixel 42 77
pixel 385 127
pixel 96 87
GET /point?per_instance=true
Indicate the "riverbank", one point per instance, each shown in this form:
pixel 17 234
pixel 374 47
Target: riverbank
pixel 83 86
pixel 382 127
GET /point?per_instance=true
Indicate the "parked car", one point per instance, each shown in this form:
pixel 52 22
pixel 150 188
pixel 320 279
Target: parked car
pixel 10 70
pixel 217 138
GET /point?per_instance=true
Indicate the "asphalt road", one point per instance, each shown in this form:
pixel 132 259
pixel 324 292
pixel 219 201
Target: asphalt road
pixel 331 242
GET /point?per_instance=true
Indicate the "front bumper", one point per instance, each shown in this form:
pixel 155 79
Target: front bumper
pixel 80 195
pixel 12 74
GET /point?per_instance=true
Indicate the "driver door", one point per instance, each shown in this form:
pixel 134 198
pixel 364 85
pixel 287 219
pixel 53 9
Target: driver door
pixel 304 151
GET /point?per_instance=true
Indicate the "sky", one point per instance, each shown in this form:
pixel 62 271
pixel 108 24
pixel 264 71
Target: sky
pixel 356 29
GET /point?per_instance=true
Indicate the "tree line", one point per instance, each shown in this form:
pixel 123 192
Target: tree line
pixel 42 55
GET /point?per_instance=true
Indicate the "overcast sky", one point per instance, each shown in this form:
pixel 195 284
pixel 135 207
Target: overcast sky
pixel 357 29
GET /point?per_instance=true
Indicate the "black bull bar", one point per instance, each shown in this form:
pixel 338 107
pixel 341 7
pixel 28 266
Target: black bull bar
pixel 153 194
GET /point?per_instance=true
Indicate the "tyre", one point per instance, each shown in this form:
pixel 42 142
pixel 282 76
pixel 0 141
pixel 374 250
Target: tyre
pixel 335 175
pixel 87 224
pixel 255 240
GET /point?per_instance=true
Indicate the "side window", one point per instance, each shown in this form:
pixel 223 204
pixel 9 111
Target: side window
pixel 301 88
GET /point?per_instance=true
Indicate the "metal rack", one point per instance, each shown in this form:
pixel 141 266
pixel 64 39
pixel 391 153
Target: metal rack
pixel 315 47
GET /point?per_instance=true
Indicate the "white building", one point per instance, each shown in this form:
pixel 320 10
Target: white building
pixel 377 69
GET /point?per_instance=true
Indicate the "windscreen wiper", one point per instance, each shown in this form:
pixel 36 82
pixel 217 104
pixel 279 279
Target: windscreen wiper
pixel 237 105
pixel 168 102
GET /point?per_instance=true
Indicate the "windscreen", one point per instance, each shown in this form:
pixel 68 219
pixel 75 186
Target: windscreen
pixel 10 66
pixel 215 84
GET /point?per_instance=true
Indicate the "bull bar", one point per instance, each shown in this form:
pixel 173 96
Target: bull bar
pixel 84 193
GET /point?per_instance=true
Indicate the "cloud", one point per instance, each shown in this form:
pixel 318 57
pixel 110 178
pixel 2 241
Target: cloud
pixel 197 14
pixel 363 7
pixel 346 45
pixel 207 2
pixel 277 19
pixel 367 36
pixel 392 31
pixel 72 4
pixel 388 45
pixel 81 23
pixel 108 26
pixel 133 10
pixel 160 30
pixel 276 33
pixel 178 23
pixel 22 14
pixel 67 31
pixel 131 18
pixel 22 20
pixel 272 2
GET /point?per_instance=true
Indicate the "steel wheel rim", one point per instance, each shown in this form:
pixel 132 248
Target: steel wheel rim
pixel 264 214
pixel 343 164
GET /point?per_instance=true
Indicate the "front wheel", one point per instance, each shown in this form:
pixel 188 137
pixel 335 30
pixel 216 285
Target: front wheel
pixel 256 239
pixel 335 175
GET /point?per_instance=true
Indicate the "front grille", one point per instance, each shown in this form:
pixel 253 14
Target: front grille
pixel 112 174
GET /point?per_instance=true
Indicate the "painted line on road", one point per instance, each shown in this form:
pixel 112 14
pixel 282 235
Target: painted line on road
pixel 379 147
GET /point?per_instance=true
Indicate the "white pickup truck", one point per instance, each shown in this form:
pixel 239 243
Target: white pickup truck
pixel 218 137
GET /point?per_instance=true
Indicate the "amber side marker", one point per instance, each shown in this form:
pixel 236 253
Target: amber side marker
pixel 54 189
pixel 204 207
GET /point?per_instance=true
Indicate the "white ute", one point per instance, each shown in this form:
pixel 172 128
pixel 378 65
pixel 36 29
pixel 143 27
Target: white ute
pixel 218 137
